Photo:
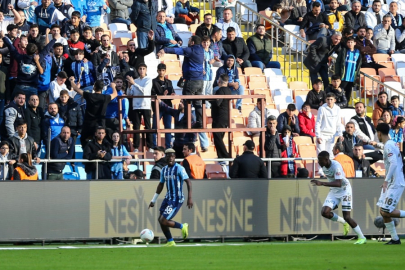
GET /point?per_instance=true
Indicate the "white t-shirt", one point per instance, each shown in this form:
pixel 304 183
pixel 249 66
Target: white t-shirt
pixel 393 164
pixel 335 172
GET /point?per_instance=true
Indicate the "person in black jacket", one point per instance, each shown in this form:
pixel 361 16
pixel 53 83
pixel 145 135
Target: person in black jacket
pixel 33 116
pixel 136 55
pixel 142 17
pixel 316 97
pixel 160 162
pixel 335 88
pixel 318 56
pixel 207 27
pixel 315 22
pixel 349 139
pixel 248 165
pixel 361 165
pixel 289 118
pixel 21 138
pixel 99 149
pixel 272 145
pixel 162 87
pixel 236 46
pixel 355 18
pixel 62 147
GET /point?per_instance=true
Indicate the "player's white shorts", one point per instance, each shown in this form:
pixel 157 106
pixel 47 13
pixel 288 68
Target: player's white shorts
pixel 388 201
pixel 333 200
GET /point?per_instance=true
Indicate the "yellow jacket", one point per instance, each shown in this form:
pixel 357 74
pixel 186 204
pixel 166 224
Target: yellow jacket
pixel 332 19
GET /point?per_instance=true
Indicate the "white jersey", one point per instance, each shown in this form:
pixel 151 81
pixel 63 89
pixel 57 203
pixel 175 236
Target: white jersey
pixel 335 172
pixel 393 164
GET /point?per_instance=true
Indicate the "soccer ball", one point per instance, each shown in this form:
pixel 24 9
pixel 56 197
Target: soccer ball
pixel 379 222
pixel 147 236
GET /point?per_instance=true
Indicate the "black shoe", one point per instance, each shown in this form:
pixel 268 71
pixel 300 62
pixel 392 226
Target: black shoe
pixel 197 125
pixel 394 242
pixel 204 149
pixel 240 109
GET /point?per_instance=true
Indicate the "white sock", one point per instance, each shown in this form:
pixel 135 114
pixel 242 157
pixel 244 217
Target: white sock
pixel 338 218
pixel 358 232
pixel 401 213
pixel 391 228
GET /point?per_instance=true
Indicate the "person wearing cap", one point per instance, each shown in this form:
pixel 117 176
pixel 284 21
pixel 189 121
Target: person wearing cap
pixel 289 118
pixel 316 97
pixel 193 163
pixel 248 165
pixel 160 162
pixel 174 175
pixel 289 150
pixel 374 16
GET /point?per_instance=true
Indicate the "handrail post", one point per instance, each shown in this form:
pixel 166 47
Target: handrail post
pixel 96 169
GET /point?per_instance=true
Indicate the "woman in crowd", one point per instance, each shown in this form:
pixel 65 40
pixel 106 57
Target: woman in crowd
pixel 387 117
pixel 306 121
pixel 6 168
pixel 118 151
pixel 24 169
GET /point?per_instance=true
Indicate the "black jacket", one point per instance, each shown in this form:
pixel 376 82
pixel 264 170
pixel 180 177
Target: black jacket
pixel 15 146
pixel 248 165
pixel 310 19
pixel 341 100
pixel 272 145
pixel 137 57
pixel 220 107
pixel 90 152
pixel 282 120
pixel 72 114
pixel 314 99
pixel 60 150
pixel 157 169
pixel 158 90
pixel 202 30
pixel 349 142
pixel 318 54
pixel 34 119
pixel 350 20
pixel 364 166
pixel 141 15
pixel 237 48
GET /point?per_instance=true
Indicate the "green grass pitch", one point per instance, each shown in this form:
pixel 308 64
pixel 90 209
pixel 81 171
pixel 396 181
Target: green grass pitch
pixel 293 255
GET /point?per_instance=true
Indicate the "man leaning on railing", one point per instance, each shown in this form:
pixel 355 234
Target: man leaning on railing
pixel 62 147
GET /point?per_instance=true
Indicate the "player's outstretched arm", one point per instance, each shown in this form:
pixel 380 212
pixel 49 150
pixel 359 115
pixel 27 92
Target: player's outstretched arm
pixel 190 194
pixel 336 183
pixel 158 191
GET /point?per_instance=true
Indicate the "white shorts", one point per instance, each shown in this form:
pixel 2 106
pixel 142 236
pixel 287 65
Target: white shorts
pixel 388 201
pixel 332 200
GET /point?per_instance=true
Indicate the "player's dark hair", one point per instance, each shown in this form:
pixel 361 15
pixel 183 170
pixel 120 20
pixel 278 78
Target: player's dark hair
pixel 335 77
pixel 98 86
pixel 190 146
pixel 323 154
pixel 291 107
pixel 383 128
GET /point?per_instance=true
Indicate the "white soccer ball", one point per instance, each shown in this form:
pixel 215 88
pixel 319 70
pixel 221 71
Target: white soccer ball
pixel 147 235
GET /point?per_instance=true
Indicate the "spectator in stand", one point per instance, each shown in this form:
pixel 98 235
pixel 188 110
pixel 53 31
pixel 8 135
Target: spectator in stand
pixel 297 9
pixel 384 36
pixel 248 165
pixel 209 59
pixel 47 14
pixel 395 108
pixel 6 168
pixel 71 112
pixel 24 170
pixel 33 115
pixel 98 33
pixel 20 45
pixel 288 150
pixel 160 162
pixel 12 113
pixel 74 23
pixel 276 14
pixel 90 43
pixel 58 60
pixel 4 92
pixel 355 18
pixel 94 11
pixel 141 86
pixel 315 24
pixel 318 56
pixel 363 125
pixel 255 117
pixel 397 18
pixel 62 147
pixel 397 131
pixel 35 38
pixel 327 126
pixel 374 16
pixel 55 32
pixel 21 143
pixel 289 118
pixel 107 50
pixel 83 71
pixel 141 17
pixel 206 28
pixel 119 11
pixel 74 44
pixel 361 165
pixel 225 5
pixel 52 124
pixel 220 113
pixel 57 86
pixel 193 67
pixel 10 11
pixel 184 10
pixel 217 47
pixel 347 66
pixel 260 49
pixel 316 97
pixel 28 8
pixel 272 145
pixel 335 16
pixel 98 148
pixel 65 9
pixel 350 139
pixel 136 55
pixel 370 35
pixel 380 105
pixel 193 163
pixel 234 83
pixel 162 87
pixel 81 6
pixel 236 46
pixel 367 50
pixel 400 37
pixel 227 22
pixel 119 151
pixel 165 36
pixel 387 117
pixel 166 6
pixel 96 106
pixel 306 121
pixel 335 88
pixel 344 160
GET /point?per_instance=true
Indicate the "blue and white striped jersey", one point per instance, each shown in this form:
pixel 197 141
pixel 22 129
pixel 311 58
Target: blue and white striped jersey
pixel 174 178
pixel 350 65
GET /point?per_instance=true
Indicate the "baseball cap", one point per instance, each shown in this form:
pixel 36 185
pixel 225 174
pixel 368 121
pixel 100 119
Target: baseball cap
pixel 170 150
pixel 250 145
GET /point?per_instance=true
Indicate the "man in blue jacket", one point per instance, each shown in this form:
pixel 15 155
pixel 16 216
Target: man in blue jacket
pixel 53 122
pixel 141 16
pixel 47 14
pixel 289 118
pixel 192 73
pixel 165 36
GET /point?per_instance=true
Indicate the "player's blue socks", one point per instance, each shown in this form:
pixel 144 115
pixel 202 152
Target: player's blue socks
pixel 170 240
pixel 178 225
pixel 168 235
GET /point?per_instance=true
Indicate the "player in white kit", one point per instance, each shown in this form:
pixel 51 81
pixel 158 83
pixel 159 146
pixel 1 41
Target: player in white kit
pixel 393 185
pixel 340 192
